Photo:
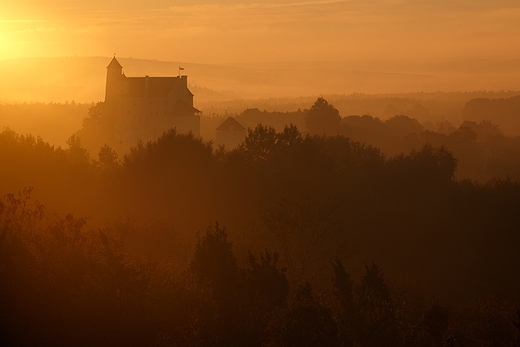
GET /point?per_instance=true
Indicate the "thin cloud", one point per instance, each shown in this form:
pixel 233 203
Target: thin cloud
pixel 9 21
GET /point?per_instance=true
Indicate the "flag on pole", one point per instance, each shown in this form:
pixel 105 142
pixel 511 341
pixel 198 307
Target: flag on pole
pixel 181 68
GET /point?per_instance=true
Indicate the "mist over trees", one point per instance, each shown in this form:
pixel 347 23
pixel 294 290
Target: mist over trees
pixel 348 232
pixel 78 78
pixel 52 121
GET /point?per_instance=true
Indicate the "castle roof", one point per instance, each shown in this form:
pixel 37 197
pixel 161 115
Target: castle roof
pixel 229 124
pixel 114 64
pixel 182 107
pixel 155 87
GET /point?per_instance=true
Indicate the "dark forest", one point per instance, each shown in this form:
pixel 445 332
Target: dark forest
pixel 337 231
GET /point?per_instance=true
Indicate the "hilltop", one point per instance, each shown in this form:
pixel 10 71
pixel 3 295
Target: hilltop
pixel 82 79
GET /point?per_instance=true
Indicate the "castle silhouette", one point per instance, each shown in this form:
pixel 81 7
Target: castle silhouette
pixel 142 108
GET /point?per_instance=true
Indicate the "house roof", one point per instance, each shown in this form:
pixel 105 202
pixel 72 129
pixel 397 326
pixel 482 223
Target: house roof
pixel 229 123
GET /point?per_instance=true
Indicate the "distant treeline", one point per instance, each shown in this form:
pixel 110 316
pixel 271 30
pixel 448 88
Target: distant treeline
pixel 425 107
pixel 505 112
pixel 54 122
pixel 482 150
pixel 321 216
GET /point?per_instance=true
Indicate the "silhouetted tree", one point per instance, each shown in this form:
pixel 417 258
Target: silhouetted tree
pixel 305 231
pixel 263 288
pixel 347 313
pixel 516 323
pixel 107 158
pixel 307 322
pixel 258 146
pixel 77 154
pixel 376 310
pixel 215 265
pixel 269 284
pixel 343 286
pixel 322 118
pixel 436 323
pixel 399 126
pixel 96 114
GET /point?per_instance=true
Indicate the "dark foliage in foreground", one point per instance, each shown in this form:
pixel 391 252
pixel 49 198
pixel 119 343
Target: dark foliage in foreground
pixel 63 283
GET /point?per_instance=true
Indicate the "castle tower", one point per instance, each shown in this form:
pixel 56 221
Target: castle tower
pixel 114 74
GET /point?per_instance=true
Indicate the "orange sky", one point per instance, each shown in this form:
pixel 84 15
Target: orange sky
pixel 255 30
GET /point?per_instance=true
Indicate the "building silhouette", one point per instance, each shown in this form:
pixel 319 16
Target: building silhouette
pixel 230 133
pixel 142 108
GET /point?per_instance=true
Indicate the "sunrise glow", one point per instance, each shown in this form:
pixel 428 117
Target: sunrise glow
pixel 260 173
pixel 252 31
